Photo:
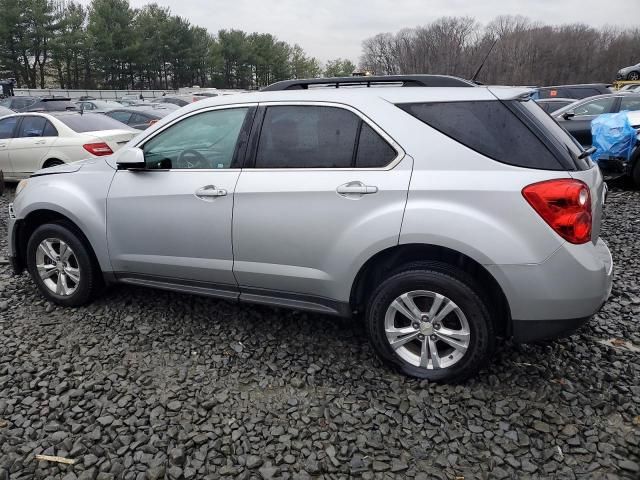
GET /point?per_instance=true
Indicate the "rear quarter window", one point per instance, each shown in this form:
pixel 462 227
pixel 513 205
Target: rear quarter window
pixel 489 128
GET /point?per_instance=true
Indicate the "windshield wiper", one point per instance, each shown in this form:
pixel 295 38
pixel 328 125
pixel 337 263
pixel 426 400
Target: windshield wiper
pixel 586 152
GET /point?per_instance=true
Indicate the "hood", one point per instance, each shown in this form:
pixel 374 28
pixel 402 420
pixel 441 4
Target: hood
pixel 65 168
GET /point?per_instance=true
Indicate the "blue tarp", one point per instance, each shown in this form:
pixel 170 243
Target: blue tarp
pixel 613 136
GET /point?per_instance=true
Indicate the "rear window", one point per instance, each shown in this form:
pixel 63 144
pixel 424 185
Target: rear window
pixel 90 122
pixel 489 128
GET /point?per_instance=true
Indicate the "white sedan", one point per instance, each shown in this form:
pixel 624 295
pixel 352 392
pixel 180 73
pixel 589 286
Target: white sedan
pixel 31 141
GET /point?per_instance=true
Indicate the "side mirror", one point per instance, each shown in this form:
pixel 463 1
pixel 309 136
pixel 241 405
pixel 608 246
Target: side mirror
pixel 130 158
pixel 568 115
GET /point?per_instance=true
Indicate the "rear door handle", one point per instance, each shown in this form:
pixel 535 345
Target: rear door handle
pixel 210 192
pixel 356 188
pixel 2 145
pixel 41 142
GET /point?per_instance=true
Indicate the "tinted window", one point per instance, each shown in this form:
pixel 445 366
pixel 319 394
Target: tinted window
pixel 594 107
pixel 90 122
pixel 490 128
pixel 5 103
pixel 6 127
pixel 32 127
pixel 307 137
pixel 22 102
pixel 120 116
pixel 373 150
pixel 49 130
pixel 204 141
pixel 630 104
pixel 139 119
pixel 583 92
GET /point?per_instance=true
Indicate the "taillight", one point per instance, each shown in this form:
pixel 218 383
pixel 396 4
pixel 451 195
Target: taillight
pixel 98 149
pixel 565 204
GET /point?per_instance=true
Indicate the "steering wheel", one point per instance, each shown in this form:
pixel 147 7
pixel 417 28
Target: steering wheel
pixel 191 159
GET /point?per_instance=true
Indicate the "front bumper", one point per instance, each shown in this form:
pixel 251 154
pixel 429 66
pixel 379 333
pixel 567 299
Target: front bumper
pixel 559 294
pixel 12 231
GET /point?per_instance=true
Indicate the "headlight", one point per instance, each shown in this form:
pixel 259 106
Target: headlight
pixel 21 185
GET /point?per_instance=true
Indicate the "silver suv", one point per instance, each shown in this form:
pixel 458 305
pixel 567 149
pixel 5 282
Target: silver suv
pixel 446 215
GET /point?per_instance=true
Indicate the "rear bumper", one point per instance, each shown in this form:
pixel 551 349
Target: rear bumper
pixel 558 295
pixel 525 331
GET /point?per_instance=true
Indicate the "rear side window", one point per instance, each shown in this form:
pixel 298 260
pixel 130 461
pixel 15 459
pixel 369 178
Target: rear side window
pixel 319 137
pixel 307 137
pixel 32 127
pixel 488 127
pixel 631 104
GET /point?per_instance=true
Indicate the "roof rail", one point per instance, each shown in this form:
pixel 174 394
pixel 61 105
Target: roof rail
pixel 404 80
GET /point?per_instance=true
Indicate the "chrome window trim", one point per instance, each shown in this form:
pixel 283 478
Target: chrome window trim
pixel 395 145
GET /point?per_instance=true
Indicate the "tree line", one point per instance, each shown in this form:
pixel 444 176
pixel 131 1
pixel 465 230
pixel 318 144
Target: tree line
pixel 108 44
pixel 524 52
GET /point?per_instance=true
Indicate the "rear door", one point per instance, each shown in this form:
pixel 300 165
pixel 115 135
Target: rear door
pixel 323 186
pixel 579 126
pixel 32 142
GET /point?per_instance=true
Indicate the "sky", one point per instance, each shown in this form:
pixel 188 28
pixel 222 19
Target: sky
pixel 329 29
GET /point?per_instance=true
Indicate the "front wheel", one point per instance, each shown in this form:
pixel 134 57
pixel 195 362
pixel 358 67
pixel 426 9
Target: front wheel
pixel 429 322
pixel 61 265
pixel 633 76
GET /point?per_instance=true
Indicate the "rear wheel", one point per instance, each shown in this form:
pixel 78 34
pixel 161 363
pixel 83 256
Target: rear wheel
pixel 633 76
pixel 61 265
pixel 54 162
pixel 429 322
pixel 635 173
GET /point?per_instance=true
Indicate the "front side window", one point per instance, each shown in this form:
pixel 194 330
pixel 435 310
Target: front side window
pixel 7 126
pixel 32 127
pixel 594 107
pixel 299 136
pixel 203 141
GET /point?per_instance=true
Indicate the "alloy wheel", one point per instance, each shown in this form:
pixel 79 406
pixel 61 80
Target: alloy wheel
pixel 58 267
pixel 427 329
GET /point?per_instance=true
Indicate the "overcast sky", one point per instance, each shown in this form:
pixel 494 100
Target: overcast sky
pixel 335 28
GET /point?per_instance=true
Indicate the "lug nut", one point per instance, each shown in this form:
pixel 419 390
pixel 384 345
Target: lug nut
pixel 436 326
pixel 416 326
pixel 434 337
pixel 420 337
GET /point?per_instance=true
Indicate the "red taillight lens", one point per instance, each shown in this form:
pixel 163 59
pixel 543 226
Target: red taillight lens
pixel 98 149
pixel 565 204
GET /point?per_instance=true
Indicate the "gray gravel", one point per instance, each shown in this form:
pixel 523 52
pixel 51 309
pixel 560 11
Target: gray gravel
pixel 147 384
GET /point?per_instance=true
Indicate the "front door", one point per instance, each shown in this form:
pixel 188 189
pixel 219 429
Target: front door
pixel 171 222
pixel 7 128
pixel 326 189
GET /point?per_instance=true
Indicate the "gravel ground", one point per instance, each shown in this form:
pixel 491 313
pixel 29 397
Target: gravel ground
pixel 145 384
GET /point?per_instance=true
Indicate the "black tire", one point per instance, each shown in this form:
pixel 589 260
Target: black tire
pixel 90 278
pixel 457 286
pixel 53 162
pixel 633 76
pixel 635 174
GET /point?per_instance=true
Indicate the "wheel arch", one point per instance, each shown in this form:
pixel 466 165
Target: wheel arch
pixel 51 159
pixel 391 259
pixel 26 226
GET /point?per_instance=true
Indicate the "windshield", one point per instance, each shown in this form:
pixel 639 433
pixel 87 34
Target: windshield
pixel 91 123
pixel 559 135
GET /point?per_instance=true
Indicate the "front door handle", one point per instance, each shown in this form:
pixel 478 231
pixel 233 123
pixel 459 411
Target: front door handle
pixel 41 142
pixel 2 145
pixel 210 192
pixel 356 188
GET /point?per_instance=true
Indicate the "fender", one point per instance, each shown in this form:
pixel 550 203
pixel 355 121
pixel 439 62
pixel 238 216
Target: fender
pixel 81 200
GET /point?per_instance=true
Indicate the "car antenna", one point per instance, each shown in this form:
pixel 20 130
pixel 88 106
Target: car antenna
pixel 475 75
